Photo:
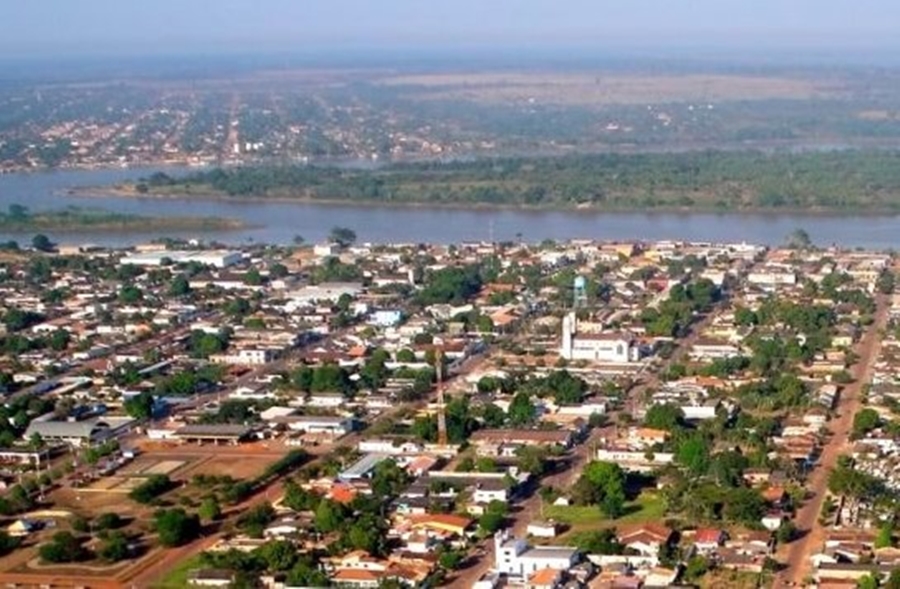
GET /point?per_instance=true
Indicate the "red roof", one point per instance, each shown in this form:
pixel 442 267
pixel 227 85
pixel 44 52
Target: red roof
pixel 708 536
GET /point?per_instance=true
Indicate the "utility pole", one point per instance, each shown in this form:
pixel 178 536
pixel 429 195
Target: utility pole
pixel 442 411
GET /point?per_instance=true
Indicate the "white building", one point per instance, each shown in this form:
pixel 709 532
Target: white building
pixel 607 347
pixel 218 258
pixel 514 556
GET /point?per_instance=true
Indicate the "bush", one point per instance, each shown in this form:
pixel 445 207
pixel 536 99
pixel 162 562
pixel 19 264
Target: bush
pixel 175 527
pixel 115 548
pixel 108 521
pixel 148 491
pixel 64 547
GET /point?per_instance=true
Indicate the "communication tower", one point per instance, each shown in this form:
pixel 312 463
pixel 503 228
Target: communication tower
pixel 442 408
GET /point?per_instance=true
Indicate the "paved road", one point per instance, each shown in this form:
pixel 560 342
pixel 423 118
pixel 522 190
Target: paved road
pixel 798 553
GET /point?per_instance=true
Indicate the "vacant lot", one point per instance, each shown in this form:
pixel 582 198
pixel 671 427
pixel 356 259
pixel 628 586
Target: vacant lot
pixel 600 88
pixel 238 468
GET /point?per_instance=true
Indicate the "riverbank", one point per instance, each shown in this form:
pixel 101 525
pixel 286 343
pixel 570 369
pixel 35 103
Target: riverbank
pixel 129 191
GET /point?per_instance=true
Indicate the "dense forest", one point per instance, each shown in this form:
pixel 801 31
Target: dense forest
pixel 708 180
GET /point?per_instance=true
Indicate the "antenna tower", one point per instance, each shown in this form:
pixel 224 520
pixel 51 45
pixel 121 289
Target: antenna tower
pixel 442 407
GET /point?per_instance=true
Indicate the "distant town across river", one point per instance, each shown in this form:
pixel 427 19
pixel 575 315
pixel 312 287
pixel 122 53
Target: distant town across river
pixel 280 222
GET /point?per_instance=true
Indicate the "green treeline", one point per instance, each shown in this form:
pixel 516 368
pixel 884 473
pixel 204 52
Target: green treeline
pixel 18 217
pixel 708 180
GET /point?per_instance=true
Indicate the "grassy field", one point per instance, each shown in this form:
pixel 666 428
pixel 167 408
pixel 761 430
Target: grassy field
pixel 178 576
pixel 648 507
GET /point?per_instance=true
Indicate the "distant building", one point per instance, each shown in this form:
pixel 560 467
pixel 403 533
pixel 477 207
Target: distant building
pixel 606 347
pixel 78 433
pixel 386 317
pixel 516 558
pixel 219 259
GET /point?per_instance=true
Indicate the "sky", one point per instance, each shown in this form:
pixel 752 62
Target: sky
pixel 66 28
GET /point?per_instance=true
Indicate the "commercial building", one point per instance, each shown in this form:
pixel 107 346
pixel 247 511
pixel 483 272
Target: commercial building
pixel 218 258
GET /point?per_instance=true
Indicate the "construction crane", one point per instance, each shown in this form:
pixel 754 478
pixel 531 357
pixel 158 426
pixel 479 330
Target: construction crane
pixel 442 439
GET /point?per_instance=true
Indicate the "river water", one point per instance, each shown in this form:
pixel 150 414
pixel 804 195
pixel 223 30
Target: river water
pixel 279 222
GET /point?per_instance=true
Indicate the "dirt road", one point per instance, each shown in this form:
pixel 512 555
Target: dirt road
pixel 797 556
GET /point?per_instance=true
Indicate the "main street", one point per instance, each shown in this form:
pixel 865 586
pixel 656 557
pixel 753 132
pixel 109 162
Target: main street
pixel 797 556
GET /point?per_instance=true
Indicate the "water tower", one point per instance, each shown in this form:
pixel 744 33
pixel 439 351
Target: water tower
pixel 579 292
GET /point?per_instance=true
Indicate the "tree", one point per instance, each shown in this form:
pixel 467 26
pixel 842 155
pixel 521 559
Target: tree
pixel 602 484
pixel 450 559
pixel 175 527
pixel 566 388
pixel 278 555
pixel 209 509
pixel 664 416
pixel 388 479
pixel 179 286
pixel 521 409
pixel 491 521
pixel 253 277
pixel 140 406
pixel 42 243
pixel 532 459
pixel 130 294
pixel 786 532
pixel 278 270
pixel 329 516
pixel 8 543
pixel 693 453
pixel 406 356
pixel 342 236
pixel 151 489
pixel 108 521
pixel 603 541
pixel 36 441
pixel 885 537
pixel 865 420
pixel 869 581
pixel 299 240
pixel 59 340
pixel 63 547
pixel 799 239
pixel 114 548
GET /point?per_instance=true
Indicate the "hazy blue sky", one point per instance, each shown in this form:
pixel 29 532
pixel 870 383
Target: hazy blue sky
pixel 68 27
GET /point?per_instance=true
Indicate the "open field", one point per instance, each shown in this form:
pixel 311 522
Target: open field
pixel 601 88
pixel 648 507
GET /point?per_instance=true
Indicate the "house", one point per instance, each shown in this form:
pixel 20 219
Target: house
pixel 660 577
pixel 385 317
pixel 356 578
pixel 516 558
pixel 316 424
pixel 522 437
pixel 542 529
pixel 490 490
pixel 443 522
pixel 773 520
pixel 707 540
pixel 545 579
pixel 646 539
